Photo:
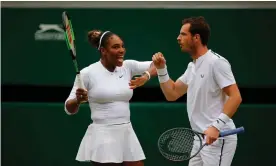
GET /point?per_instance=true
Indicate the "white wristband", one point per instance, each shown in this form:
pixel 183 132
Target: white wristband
pixel 146 72
pixel 163 79
pixel 163 75
pixel 221 121
pixel 161 72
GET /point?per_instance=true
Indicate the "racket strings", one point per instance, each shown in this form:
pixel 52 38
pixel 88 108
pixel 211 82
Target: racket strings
pixel 177 144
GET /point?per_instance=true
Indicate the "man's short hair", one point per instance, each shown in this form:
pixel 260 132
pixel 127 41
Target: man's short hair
pixel 198 25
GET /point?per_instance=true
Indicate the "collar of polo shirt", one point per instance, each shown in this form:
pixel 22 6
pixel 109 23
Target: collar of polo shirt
pixel 200 59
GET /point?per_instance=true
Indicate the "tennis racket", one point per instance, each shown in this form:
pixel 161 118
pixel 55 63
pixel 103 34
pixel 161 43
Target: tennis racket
pixel 70 41
pixel 176 144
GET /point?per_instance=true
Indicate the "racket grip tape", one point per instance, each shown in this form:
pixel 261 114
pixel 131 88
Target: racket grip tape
pixel 232 132
pixel 80 83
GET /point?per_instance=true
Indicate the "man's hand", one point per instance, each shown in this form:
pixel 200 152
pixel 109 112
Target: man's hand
pixel 138 81
pixel 212 135
pixel 159 60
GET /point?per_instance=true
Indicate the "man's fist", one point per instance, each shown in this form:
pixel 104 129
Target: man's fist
pixel 158 60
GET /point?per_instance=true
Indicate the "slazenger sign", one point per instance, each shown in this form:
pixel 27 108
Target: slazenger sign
pixel 49 32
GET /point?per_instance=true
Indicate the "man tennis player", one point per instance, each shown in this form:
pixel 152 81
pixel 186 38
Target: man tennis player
pixel 212 93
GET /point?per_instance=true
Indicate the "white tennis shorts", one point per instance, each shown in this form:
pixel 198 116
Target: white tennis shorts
pixel 220 153
pixel 110 144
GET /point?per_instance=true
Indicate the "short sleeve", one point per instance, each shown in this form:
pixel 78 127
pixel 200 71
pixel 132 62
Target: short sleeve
pixel 85 78
pixel 184 77
pixel 136 67
pixel 222 73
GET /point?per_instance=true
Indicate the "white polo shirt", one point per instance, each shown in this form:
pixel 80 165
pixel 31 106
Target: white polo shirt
pixel 109 92
pixel 205 98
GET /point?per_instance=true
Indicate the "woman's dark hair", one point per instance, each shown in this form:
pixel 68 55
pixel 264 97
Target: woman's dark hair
pixel 94 37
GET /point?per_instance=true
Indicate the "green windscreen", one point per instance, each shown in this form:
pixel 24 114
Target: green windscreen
pixel 34 51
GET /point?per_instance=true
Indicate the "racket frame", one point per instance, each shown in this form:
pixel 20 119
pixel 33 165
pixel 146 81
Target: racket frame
pixel 70 42
pixel 199 136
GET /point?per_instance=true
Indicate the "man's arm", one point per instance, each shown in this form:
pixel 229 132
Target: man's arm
pixel 230 108
pixel 225 79
pixel 234 100
pixel 173 90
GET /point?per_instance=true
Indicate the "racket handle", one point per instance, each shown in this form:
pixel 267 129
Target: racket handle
pixel 80 83
pixel 232 132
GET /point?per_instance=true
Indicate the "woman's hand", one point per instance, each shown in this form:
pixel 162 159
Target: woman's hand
pixel 138 81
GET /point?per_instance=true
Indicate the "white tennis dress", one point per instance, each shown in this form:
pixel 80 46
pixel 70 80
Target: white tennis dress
pixel 110 138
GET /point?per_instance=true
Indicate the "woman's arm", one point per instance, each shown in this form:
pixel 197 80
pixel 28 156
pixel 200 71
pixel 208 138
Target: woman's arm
pixel 145 69
pixel 77 95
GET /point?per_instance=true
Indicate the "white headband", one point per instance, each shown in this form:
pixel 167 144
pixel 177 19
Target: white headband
pixel 100 43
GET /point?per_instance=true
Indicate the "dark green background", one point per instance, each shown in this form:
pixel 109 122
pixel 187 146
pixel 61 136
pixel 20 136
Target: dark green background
pixel 245 37
pixel 42 134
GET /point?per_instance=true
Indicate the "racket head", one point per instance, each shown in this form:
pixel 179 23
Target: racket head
pixel 176 144
pixel 69 34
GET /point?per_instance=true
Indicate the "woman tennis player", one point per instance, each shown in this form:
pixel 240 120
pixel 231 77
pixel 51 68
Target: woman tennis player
pixel 110 139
